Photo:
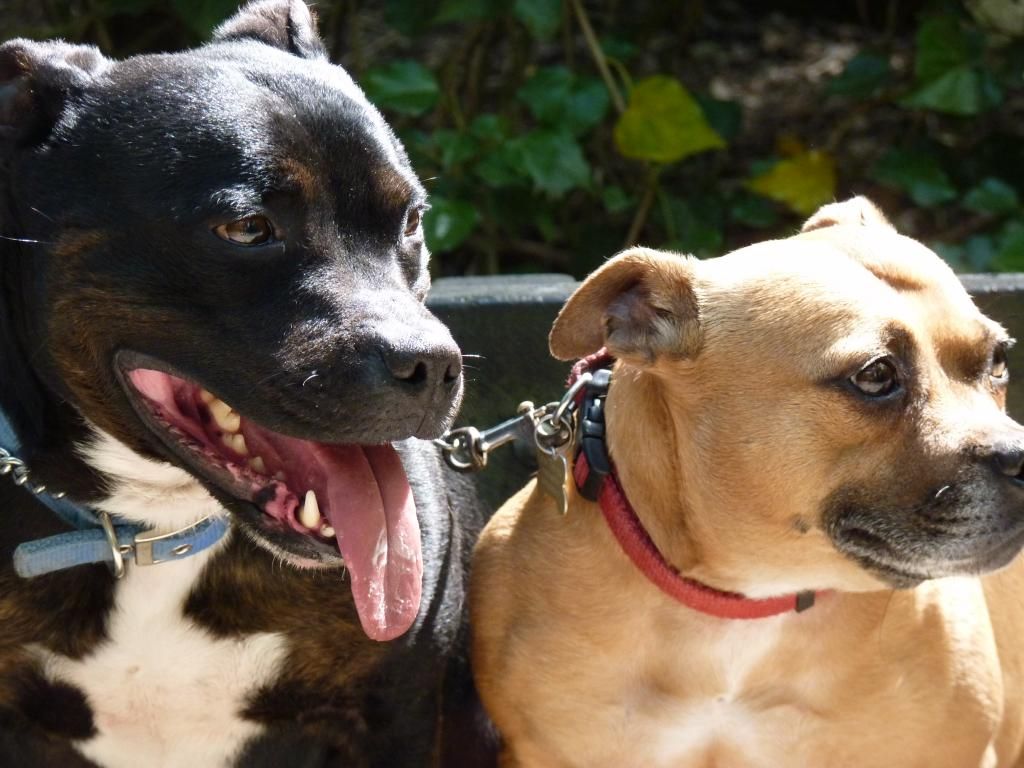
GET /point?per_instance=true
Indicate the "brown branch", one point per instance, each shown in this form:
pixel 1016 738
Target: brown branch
pixel 644 209
pixel 598 55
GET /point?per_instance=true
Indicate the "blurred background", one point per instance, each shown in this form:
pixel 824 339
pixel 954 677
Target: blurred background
pixel 552 133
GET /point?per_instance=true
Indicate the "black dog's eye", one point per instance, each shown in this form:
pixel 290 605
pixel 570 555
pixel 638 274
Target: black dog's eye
pixel 877 378
pixel 412 221
pixel 1000 369
pixel 252 230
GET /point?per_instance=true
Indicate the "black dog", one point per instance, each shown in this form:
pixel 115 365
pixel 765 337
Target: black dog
pixel 211 282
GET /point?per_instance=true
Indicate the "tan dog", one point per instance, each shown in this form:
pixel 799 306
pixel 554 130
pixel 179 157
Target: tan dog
pixel 824 412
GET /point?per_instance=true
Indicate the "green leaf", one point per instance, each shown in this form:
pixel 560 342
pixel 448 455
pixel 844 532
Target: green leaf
pixel 468 10
pixel 960 91
pixel 864 75
pixel 1004 16
pixel 410 17
pixel 488 128
pixel 754 211
pixel 546 92
pixel 918 174
pixel 1010 257
pixel 980 253
pixel 541 17
pixel 725 117
pixel 618 48
pixel 404 86
pixel 942 45
pixel 559 100
pixel 587 105
pixel 554 160
pixel 803 182
pixel 993 196
pixel 448 223
pixel 663 123
pixel 503 166
pixel 616 200
pixel 456 147
pixel 692 228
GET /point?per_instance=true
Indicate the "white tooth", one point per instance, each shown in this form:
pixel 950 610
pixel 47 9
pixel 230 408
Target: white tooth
pixel 279 476
pixel 206 396
pixel 309 515
pixel 326 531
pixel 238 445
pixel 226 419
pixel 257 465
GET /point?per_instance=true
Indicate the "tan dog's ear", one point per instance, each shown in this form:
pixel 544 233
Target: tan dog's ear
pixel 856 210
pixel 640 305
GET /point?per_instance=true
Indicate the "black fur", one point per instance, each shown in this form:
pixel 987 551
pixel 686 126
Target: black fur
pixel 113 176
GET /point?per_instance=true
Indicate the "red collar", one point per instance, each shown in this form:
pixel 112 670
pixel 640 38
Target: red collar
pixel 637 543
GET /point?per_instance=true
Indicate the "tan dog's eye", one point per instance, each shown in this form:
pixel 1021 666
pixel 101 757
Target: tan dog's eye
pixel 412 221
pixel 1000 369
pixel 252 230
pixel 877 378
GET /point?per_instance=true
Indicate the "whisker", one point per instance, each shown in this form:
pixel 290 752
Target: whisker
pixel 45 216
pixel 27 240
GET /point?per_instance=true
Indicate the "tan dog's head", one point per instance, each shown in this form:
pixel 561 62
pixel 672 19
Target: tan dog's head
pixel 835 406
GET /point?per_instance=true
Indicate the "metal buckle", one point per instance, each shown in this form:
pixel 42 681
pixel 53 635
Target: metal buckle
pixel 118 552
pixel 143 544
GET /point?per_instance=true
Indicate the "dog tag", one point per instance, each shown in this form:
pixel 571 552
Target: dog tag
pixel 553 471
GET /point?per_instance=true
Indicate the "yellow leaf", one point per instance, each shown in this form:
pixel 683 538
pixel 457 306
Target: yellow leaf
pixel 663 123
pixel 803 182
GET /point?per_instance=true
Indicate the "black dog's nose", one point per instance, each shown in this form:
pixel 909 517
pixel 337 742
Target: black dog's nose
pixel 1009 459
pixel 424 368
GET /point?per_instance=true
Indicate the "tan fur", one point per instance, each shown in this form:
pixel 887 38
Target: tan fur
pixel 732 440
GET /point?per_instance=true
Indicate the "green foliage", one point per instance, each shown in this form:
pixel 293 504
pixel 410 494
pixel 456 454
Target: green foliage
pixel 541 17
pixel 405 86
pixel 993 196
pixel 918 173
pixel 449 223
pixel 950 76
pixel 545 148
pixel 865 74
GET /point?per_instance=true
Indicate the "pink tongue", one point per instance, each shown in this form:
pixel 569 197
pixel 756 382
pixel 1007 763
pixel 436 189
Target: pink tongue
pixel 370 506
pixel 364 494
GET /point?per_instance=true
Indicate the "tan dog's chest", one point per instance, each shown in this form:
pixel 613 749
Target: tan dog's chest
pixel 627 677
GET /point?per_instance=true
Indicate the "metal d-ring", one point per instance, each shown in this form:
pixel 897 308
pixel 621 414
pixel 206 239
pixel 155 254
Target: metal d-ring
pixel 117 566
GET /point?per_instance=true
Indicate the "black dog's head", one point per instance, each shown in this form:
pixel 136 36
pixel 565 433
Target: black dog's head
pixel 216 257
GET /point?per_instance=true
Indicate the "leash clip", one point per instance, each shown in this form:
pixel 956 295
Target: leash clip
pixel 466 449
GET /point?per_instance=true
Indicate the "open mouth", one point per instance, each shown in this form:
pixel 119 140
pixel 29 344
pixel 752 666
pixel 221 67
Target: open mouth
pixel 320 503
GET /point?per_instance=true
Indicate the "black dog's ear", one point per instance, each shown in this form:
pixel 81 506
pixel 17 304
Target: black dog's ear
pixel 35 82
pixel 285 24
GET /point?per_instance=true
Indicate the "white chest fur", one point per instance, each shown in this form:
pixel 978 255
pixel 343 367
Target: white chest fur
pixel 680 732
pixel 163 692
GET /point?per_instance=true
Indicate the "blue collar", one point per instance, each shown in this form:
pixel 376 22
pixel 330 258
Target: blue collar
pixel 98 537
